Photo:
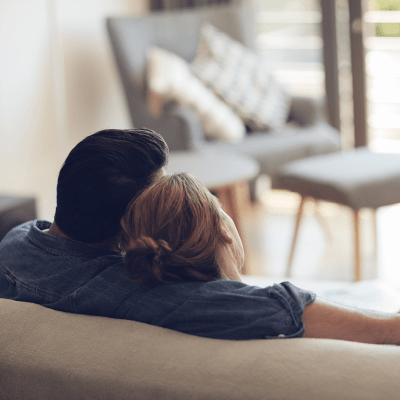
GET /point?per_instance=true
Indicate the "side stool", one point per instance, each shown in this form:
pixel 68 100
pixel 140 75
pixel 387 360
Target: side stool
pixel 358 179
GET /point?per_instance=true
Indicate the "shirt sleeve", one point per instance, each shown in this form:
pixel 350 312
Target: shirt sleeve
pixel 236 311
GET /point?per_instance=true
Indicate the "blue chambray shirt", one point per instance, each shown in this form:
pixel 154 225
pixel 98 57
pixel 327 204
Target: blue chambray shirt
pixel 67 276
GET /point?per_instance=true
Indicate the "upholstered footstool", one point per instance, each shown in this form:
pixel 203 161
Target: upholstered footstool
pixel 359 179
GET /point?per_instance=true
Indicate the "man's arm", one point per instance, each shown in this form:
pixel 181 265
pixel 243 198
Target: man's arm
pixel 323 319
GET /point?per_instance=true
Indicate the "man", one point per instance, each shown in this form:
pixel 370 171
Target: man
pixel 74 264
pixel 49 263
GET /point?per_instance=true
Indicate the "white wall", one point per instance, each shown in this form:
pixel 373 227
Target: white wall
pixel 58 84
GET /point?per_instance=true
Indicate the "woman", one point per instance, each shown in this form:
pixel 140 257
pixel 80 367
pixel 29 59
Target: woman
pixel 177 231
pixel 186 254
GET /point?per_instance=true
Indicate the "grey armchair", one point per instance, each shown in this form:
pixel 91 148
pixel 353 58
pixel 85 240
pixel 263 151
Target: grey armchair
pixel 178 31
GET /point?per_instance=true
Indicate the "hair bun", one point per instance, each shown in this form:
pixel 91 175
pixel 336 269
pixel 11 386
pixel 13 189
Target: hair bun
pixel 148 255
pixel 148 245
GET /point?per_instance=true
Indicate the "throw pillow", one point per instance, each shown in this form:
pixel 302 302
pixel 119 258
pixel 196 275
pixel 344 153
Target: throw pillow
pixel 169 79
pixel 240 78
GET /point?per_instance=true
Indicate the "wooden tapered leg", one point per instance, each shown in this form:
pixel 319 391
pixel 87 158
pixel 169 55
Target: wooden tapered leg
pixel 322 220
pixel 296 231
pixel 375 233
pixel 357 245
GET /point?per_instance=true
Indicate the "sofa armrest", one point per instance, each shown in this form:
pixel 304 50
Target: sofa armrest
pixel 180 127
pixel 306 110
pixel 191 125
pixel 47 354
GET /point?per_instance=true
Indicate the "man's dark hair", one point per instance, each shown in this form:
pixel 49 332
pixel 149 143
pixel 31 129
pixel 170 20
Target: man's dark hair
pixel 99 178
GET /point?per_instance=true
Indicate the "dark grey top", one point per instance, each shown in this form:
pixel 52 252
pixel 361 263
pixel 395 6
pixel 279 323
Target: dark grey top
pixel 68 276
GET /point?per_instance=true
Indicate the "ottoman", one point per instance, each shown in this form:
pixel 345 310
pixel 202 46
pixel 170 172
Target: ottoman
pixel 358 178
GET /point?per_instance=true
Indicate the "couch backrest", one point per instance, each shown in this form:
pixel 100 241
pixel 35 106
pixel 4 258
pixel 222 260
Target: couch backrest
pixel 52 355
pixel 176 31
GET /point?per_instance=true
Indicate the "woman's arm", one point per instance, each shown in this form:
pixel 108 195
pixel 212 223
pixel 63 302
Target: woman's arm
pixel 323 319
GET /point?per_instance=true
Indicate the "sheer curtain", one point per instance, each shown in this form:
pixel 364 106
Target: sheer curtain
pixel 171 4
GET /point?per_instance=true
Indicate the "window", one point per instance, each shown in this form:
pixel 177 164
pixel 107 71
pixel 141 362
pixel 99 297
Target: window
pixel 289 39
pixel 382 50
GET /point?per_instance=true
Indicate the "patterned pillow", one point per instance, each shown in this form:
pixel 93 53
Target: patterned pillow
pixel 240 78
pixel 169 79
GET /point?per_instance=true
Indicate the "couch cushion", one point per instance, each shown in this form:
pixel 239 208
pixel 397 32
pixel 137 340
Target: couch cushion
pixel 170 78
pixel 241 79
pixel 273 151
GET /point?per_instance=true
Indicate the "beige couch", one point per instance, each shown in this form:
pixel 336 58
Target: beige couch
pixel 50 355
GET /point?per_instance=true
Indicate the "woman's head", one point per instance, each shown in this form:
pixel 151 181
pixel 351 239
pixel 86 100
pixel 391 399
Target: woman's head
pixel 175 231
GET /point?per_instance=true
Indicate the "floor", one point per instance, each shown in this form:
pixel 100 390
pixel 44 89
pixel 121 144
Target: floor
pixel 321 253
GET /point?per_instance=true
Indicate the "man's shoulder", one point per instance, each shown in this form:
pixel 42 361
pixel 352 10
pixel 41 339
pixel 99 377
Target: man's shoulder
pixel 19 233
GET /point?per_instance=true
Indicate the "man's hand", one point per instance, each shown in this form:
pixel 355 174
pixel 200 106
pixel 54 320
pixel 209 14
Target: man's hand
pixel 323 319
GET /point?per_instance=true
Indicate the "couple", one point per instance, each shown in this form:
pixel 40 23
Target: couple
pixel 130 242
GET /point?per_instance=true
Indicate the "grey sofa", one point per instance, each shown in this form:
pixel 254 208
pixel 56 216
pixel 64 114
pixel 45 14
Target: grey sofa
pixel 14 211
pixel 178 31
pixel 52 355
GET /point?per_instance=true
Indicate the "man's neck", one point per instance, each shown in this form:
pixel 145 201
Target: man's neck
pixel 109 245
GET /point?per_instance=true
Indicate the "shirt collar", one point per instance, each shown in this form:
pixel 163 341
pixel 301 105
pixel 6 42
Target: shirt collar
pixel 61 246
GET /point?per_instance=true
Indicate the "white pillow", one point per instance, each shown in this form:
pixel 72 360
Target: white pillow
pixel 240 78
pixel 169 78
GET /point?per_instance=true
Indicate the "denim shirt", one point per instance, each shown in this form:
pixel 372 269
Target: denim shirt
pixel 68 276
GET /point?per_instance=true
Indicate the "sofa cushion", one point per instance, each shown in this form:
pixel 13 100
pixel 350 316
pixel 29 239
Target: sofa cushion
pixel 170 79
pixel 273 151
pixel 241 79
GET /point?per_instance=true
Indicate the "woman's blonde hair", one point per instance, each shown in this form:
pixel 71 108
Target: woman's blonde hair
pixel 171 232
